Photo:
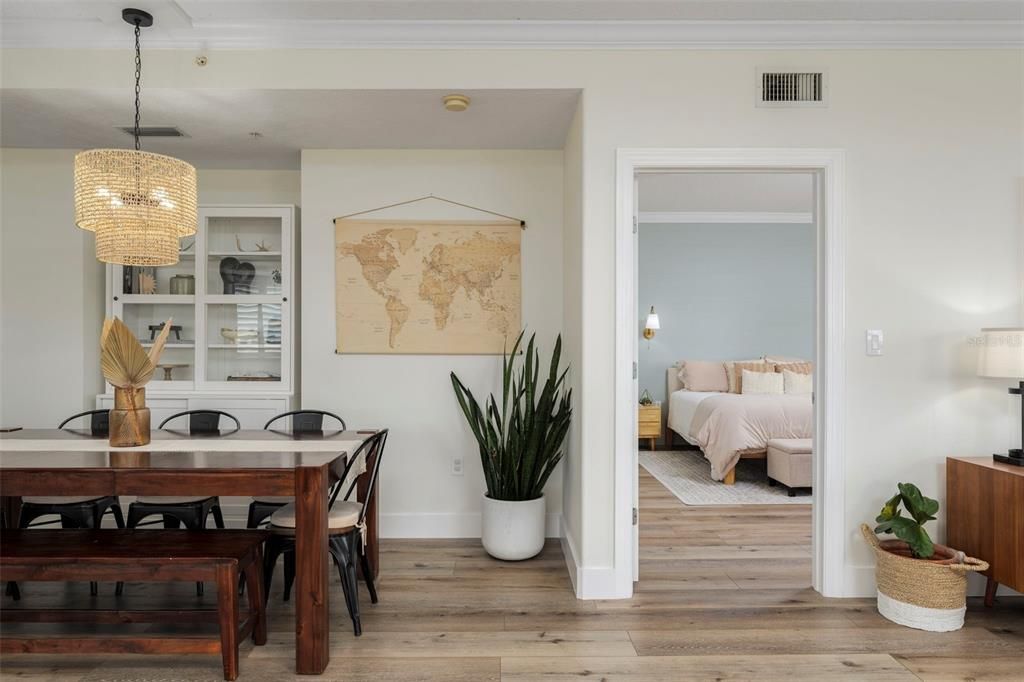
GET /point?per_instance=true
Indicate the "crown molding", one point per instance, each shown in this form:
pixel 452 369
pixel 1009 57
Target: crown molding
pixel 536 34
pixel 716 217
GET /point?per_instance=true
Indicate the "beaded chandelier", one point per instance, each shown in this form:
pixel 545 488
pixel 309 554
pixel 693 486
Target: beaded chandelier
pixel 139 204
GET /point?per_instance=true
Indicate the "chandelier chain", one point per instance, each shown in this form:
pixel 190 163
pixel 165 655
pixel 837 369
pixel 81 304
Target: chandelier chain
pixel 138 80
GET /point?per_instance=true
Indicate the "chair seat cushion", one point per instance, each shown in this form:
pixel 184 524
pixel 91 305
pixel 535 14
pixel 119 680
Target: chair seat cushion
pixel 59 500
pixel 342 515
pixel 157 499
pixel 274 499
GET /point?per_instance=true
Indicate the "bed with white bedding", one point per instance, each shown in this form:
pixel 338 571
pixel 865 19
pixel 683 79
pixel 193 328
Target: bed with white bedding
pixel 728 426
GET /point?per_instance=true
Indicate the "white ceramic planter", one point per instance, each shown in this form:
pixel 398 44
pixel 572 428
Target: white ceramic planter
pixel 513 531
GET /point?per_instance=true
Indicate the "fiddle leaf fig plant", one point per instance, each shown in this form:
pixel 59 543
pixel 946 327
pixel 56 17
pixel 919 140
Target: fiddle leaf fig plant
pixel 909 529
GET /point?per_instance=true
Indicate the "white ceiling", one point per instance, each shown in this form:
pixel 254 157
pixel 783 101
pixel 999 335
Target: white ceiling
pixel 218 122
pixel 726 193
pixel 211 24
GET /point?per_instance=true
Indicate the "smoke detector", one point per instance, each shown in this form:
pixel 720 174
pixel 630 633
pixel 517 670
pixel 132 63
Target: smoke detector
pixel 456 102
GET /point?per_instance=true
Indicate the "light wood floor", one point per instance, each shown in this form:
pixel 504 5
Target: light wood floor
pixel 723 596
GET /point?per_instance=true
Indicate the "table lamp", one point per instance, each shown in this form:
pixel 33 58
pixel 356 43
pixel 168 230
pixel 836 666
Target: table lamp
pixel 1002 357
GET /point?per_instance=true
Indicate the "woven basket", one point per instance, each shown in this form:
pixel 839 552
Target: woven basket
pixel 920 593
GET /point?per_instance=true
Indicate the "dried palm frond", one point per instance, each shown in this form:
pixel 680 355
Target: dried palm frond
pixel 124 361
pixel 161 340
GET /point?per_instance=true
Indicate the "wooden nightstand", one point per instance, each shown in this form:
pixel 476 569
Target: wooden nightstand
pixel 649 423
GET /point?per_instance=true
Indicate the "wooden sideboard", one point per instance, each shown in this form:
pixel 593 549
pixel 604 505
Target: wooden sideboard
pixel 985 517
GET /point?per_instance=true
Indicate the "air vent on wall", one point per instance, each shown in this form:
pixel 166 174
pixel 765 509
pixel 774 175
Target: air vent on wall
pixel 153 131
pixel 791 88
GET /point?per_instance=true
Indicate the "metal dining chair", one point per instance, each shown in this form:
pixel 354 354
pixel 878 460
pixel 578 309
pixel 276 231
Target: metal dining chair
pixel 307 421
pixel 190 511
pixel 85 511
pixel 303 421
pixel 346 523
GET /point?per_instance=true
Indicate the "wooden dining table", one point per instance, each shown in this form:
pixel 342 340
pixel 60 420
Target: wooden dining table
pixel 51 462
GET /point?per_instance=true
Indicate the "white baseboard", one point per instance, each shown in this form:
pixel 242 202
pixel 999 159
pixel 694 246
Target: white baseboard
pixel 572 563
pixel 465 525
pixel 596 582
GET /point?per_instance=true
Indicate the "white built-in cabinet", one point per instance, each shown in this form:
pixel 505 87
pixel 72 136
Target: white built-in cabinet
pixel 232 295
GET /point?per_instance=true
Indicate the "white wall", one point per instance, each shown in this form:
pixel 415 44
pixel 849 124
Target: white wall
pixel 51 293
pixel 932 212
pixel 412 394
pixel 52 287
pixel 572 281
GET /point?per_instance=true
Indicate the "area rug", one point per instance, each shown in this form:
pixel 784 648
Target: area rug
pixel 688 476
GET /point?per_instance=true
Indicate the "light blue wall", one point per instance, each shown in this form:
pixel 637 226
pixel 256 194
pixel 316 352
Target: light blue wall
pixel 724 292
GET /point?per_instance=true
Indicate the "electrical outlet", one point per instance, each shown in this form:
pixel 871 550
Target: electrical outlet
pixel 457 466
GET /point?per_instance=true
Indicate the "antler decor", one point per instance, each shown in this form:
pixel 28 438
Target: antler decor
pixel 128 368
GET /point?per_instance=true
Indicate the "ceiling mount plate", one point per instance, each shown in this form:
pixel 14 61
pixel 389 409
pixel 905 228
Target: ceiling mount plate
pixel 137 16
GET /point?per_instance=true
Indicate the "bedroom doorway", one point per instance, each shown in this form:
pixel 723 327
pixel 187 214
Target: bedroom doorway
pixel 787 203
pixel 725 290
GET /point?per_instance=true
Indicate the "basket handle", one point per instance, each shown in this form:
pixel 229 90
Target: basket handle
pixel 967 563
pixel 870 536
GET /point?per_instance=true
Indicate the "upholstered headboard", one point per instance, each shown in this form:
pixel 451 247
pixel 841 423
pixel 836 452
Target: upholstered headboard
pixel 673 383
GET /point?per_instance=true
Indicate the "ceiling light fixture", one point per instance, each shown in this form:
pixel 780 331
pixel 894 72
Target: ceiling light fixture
pixel 139 204
pixel 456 102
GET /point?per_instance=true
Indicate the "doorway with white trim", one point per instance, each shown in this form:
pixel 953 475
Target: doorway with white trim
pixel 823 172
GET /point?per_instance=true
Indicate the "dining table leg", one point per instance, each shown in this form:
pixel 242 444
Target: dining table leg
pixel 312 623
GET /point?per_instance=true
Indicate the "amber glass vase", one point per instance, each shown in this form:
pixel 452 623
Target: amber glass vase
pixel 129 420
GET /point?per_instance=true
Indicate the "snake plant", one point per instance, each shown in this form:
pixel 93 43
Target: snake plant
pixel 521 439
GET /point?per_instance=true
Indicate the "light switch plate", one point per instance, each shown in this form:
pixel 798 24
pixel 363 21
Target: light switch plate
pixel 874 340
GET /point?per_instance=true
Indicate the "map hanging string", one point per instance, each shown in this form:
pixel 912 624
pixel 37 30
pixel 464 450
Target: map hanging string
pixel 522 223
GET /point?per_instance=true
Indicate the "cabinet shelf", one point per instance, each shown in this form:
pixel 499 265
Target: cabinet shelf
pixel 245 254
pixel 156 299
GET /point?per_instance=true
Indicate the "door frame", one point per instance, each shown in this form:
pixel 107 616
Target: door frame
pixel 828 504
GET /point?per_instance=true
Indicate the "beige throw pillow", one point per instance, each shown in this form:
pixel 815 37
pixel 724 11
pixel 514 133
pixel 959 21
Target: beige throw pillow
pixel 802 367
pixel 762 383
pixel 734 370
pixel 797 383
pixel 698 375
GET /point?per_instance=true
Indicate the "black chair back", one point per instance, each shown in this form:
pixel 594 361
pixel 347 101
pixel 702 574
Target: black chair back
pixel 307 421
pixel 99 421
pixel 371 448
pixel 204 421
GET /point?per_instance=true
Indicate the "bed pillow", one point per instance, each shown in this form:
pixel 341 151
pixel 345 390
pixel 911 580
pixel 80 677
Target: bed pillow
pixel 698 375
pixel 797 383
pixel 734 370
pixel 753 383
pixel 802 367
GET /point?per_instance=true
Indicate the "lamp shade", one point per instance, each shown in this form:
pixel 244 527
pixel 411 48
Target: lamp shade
pixel 1001 353
pixel 652 321
pixel 139 204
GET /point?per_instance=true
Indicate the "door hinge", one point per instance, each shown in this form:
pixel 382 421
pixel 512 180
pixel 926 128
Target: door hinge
pixel 634 370
pixel 634 224
pixel 636 515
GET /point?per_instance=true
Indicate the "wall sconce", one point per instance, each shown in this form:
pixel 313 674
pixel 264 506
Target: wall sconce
pixel 652 324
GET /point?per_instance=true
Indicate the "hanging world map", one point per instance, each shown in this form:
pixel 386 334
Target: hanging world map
pixel 419 287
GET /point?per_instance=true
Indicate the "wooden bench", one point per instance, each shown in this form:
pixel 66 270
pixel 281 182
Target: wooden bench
pixel 219 556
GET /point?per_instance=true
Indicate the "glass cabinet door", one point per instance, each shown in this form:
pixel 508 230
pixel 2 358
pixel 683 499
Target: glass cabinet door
pixel 176 367
pixel 244 255
pixel 244 342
